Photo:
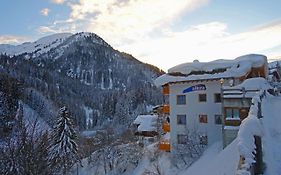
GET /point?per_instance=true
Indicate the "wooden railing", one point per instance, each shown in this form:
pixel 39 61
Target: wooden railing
pixel 165 145
pixel 166 127
pixel 166 109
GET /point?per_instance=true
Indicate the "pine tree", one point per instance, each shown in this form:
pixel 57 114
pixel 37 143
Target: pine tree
pixel 63 150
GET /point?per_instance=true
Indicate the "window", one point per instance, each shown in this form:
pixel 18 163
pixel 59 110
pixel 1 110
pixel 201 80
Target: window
pixel 181 119
pixel 217 97
pixel 203 118
pixel 182 139
pixel 218 120
pixel 203 140
pixel 228 113
pixel 232 113
pixel 181 99
pixel 235 113
pixel 202 97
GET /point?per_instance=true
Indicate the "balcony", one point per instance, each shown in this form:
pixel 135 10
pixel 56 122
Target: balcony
pixel 166 109
pixel 166 90
pixel 164 145
pixel 166 127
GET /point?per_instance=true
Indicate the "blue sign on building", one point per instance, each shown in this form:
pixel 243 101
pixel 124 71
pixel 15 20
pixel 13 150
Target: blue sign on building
pixel 198 87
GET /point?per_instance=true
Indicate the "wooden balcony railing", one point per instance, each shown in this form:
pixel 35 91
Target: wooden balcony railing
pixel 166 109
pixel 166 127
pixel 165 145
pixel 166 90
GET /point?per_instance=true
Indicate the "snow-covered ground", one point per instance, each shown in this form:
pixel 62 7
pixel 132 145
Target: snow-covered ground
pixel 216 162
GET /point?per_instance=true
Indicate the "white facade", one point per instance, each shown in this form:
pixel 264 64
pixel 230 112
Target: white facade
pixel 192 79
pixel 193 108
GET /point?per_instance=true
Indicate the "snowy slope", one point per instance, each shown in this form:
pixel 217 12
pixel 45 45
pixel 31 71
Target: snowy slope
pixel 214 162
pixel 40 46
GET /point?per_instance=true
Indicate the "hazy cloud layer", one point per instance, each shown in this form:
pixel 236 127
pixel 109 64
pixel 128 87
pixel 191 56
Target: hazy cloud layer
pixel 205 42
pixel 9 39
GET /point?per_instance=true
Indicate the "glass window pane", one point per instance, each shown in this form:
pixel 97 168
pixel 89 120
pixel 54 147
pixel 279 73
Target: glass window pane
pixel 202 97
pixel 228 113
pixel 218 119
pixel 181 119
pixel 236 113
pixel 217 98
pixel 182 139
pixel 181 99
pixel 203 119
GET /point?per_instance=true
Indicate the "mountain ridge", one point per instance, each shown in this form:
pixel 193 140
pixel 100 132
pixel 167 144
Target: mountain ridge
pixel 82 71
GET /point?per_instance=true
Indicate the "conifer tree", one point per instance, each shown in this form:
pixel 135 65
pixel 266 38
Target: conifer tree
pixel 63 150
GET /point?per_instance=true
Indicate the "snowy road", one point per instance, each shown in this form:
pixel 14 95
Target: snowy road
pixel 271 109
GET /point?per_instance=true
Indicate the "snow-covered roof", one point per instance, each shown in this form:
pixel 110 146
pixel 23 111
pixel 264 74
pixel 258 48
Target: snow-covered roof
pixel 212 70
pixel 258 83
pixel 251 86
pixel 146 122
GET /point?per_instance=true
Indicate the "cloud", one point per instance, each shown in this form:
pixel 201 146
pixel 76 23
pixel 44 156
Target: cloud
pixel 148 30
pixel 205 42
pixel 58 1
pixel 45 12
pixel 122 21
pixel 10 39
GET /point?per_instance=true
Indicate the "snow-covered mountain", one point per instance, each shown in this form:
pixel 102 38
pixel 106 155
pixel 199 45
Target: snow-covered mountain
pixel 81 71
pixel 38 47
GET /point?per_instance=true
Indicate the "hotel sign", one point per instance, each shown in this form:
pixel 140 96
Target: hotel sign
pixel 198 87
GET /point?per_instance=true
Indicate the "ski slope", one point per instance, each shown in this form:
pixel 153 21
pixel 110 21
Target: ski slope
pixel 271 141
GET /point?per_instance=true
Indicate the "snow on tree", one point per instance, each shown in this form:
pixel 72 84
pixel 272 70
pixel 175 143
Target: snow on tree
pixel 185 154
pixel 63 149
pixel 26 150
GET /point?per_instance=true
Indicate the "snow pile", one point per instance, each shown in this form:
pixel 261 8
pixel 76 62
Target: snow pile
pixel 146 122
pixel 271 141
pixel 213 70
pixel 250 127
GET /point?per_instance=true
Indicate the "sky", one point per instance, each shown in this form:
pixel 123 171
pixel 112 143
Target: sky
pixel 164 33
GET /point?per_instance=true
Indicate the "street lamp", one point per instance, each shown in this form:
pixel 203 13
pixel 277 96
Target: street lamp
pixel 222 111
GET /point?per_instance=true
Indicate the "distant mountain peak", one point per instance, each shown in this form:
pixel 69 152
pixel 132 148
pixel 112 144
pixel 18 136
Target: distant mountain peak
pixel 40 46
pixel 92 37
